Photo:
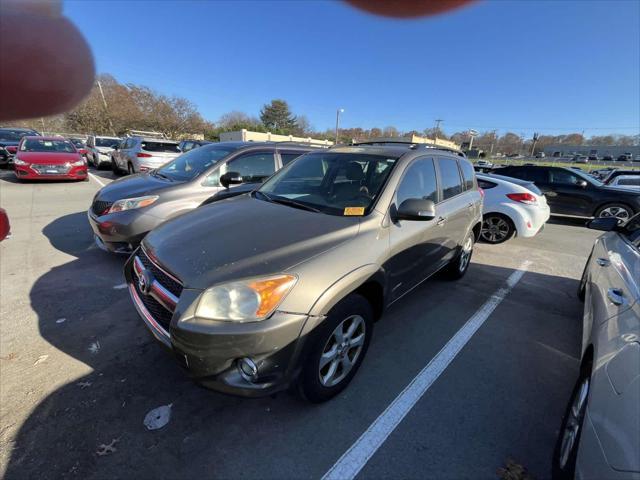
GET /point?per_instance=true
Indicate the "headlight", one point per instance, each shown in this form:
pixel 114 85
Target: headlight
pixel 245 301
pixel 131 203
pixel 79 163
pixel 17 161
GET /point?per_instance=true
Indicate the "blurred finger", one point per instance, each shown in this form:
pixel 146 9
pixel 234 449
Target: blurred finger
pixel 47 66
pixel 407 8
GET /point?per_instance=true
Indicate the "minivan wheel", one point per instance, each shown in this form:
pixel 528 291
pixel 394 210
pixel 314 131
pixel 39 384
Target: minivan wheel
pixel 337 350
pixel 460 264
pixel 566 450
pixel 496 228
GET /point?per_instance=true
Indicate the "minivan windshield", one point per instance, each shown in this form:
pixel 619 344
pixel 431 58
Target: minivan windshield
pixel 341 184
pixel 191 164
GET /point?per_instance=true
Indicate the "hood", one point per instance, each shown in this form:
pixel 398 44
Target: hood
pixel 243 237
pixel 104 149
pixel 134 186
pixel 49 158
pixel 621 189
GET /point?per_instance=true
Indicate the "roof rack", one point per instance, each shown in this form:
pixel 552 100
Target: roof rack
pixel 411 145
pixel 143 133
pixel 300 144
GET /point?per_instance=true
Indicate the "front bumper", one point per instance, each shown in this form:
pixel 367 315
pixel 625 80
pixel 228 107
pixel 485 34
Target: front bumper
pixel 26 172
pixel 121 232
pixel 209 350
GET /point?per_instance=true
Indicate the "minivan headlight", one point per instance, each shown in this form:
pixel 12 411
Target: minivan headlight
pixel 131 203
pixel 244 301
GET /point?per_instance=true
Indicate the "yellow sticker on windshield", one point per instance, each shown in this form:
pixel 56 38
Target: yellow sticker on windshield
pixel 353 211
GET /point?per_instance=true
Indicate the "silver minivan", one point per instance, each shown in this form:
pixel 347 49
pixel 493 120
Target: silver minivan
pixel 140 154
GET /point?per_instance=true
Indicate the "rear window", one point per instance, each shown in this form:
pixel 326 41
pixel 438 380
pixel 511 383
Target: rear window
pixel 629 181
pixel 288 157
pixel 160 147
pixel 7 135
pixel 468 174
pixel 450 177
pixel 485 185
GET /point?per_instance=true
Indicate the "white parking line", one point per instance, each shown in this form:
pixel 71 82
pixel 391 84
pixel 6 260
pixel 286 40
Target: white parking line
pixel 357 456
pixel 96 179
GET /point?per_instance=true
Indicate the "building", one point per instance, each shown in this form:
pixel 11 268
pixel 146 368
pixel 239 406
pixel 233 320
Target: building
pixel 439 142
pixel 249 136
pixel 562 150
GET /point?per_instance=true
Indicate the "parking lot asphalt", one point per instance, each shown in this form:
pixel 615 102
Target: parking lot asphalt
pixel 79 371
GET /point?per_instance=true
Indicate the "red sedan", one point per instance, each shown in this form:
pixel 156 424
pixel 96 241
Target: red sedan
pixel 48 158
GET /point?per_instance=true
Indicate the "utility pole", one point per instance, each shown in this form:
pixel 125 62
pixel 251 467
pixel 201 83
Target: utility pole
pixel 533 145
pixel 338 112
pixel 106 109
pixel 472 134
pixel 437 129
pixel 493 141
pixel 43 129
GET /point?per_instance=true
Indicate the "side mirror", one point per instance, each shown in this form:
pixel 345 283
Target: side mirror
pixel 116 147
pixel 604 224
pixel 582 184
pixel 416 209
pixel 230 178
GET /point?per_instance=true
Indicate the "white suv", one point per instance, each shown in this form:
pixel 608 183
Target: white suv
pixel 99 149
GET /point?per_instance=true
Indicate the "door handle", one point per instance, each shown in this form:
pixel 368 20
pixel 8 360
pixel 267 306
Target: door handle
pixel 616 296
pixel 603 262
pixel 441 221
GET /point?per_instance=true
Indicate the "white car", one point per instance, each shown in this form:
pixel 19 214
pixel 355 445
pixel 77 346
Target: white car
pixel 511 207
pixel 631 182
pixel 99 149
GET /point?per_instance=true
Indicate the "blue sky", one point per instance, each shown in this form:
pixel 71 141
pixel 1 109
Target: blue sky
pixel 523 66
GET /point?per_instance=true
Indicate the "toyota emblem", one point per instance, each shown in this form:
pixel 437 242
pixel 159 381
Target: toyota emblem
pixel 145 280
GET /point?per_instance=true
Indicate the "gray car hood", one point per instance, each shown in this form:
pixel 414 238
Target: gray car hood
pixel 134 186
pixel 243 237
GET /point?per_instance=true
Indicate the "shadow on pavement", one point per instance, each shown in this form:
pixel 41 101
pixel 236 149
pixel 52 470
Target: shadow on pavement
pixel 211 435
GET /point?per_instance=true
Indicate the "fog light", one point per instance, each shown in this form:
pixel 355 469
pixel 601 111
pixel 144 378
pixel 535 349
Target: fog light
pixel 248 369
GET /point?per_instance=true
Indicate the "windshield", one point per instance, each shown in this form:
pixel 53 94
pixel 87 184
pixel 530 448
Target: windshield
pixel 107 142
pixel 587 177
pixel 333 183
pixel 77 142
pixel 14 135
pixel 44 145
pixel 191 164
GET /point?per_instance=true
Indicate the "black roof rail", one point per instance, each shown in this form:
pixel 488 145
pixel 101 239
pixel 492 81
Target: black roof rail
pixel 413 146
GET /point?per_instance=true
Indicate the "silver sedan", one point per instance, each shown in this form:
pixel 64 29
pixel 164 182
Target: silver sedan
pixel 600 433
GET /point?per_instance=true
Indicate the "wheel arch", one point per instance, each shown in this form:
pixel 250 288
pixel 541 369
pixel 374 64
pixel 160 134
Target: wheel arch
pixel 613 202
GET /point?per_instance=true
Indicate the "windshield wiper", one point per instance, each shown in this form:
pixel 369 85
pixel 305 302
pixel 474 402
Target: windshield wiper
pixel 156 173
pixel 285 201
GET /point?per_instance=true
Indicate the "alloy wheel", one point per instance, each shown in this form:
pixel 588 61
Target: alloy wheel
pixel 465 255
pixel 621 213
pixel 571 431
pixel 494 229
pixel 342 350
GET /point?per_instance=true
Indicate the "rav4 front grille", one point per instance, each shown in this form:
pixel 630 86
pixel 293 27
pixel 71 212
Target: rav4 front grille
pixel 159 298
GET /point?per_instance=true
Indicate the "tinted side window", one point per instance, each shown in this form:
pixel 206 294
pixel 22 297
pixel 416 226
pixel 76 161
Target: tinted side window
pixel 449 177
pixel 419 181
pixel 483 184
pixel 254 167
pixel 539 175
pixel 468 174
pixel 288 157
pixel 563 177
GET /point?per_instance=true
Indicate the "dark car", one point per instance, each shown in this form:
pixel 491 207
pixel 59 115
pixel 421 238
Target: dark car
pixel 282 287
pixel 125 210
pixel 575 193
pixel 616 173
pixel 607 158
pixel 186 145
pixel 9 140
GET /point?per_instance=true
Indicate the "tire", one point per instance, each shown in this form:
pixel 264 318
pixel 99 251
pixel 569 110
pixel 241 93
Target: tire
pixel 496 228
pixel 114 167
pixel 565 452
pixel 460 264
pixel 316 384
pixel 620 210
pixel 130 170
